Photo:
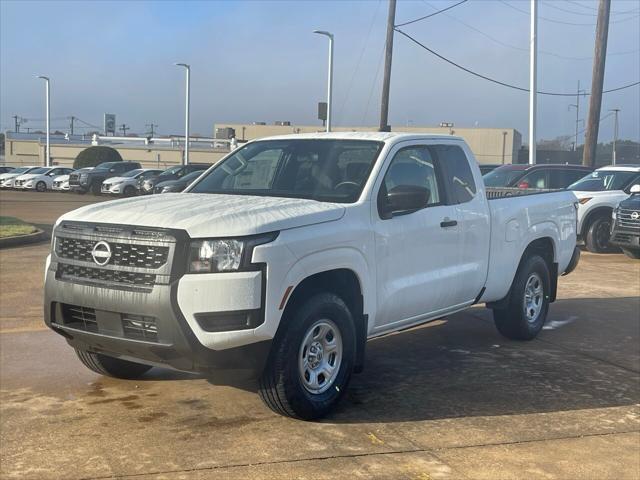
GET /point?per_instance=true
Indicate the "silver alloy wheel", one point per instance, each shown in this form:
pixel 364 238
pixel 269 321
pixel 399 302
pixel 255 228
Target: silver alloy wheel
pixel 533 297
pixel 320 356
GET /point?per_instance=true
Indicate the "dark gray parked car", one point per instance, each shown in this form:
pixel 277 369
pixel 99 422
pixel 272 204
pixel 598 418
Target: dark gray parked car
pixel 83 182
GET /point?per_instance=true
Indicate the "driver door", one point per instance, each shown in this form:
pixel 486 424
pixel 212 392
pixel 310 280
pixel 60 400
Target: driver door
pixel 417 252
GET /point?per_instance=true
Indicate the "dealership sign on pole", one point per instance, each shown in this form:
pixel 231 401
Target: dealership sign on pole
pixel 109 124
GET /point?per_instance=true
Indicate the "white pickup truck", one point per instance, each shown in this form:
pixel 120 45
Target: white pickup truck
pixel 287 255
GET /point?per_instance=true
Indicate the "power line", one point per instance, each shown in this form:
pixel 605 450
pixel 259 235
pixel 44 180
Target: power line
pixel 355 71
pixel 499 82
pixel 633 10
pixel 522 49
pixel 553 20
pixel 431 15
pixel 549 3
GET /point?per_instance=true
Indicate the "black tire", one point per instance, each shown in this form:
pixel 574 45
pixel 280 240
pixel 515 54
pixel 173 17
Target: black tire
pixel 635 254
pixel 281 386
pixel 598 234
pixel 95 188
pixel 129 191
pixel 513 321
pixel 110 366
pixel 41 187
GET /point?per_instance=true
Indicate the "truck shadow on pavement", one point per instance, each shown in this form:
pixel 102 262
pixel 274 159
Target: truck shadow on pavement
pixel 587 357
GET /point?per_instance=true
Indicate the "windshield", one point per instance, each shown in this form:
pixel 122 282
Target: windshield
pixel 39 170
pixel 21 170
pixel 324 170
pixel 502 177
pixel 106 166
pixel 133 173
pixel 171 171
pixel 602 180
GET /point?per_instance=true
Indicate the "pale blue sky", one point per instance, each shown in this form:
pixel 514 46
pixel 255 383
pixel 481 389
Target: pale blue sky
pixel 259 61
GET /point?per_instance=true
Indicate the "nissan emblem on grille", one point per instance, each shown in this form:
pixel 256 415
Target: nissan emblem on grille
pixel 101 253
pixel 635 215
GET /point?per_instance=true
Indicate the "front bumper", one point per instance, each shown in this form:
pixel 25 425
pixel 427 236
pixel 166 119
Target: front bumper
pixel 172 323
pixel 626 239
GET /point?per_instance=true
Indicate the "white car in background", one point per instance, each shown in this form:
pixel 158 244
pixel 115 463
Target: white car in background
pixel 40 179
pixel 599 194
pixel 7 179
pixel 127 184
pixel 61 182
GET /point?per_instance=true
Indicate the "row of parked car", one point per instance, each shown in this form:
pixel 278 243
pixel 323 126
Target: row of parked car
pixel 111 178
pixel 602 222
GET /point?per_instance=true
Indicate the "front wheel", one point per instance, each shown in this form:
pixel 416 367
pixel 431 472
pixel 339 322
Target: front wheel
pixel 311 359
pixel 95 188
pixel 110 366
pixel 41 187
pixel 129 191
pixel 528 304
pixel 598 234
pixel 635 254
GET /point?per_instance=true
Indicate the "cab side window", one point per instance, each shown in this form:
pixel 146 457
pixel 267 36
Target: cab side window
pixel 458 175
pixel 535 179
pixel 413 166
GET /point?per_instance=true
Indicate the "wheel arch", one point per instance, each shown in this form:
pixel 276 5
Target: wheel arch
pixel 343 282
pixel 604 210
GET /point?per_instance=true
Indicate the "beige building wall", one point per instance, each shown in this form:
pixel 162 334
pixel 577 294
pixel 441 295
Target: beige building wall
pixel 31 152
pixel 486 143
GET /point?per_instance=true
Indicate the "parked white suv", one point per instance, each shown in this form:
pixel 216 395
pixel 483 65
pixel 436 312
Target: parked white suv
pixel 599 193
pixel 40 179
pixel 292 251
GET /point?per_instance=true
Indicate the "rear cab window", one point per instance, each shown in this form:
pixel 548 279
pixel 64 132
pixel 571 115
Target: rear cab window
pixel 458 175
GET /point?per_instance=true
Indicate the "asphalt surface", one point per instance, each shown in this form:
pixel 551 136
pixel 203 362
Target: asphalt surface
pixel 452 399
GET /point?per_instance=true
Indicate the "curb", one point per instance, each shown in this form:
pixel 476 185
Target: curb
pixel 37 236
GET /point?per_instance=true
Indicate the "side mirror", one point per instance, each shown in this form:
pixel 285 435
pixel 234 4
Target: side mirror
pixel 635 189
pixel 404 199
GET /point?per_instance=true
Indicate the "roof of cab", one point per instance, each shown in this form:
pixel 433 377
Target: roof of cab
pixel 387 137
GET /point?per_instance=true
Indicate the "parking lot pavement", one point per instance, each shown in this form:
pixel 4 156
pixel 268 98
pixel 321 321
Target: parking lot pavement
pixel 451 399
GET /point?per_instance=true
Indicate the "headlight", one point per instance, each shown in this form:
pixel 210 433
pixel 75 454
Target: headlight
pixel 208 256
pixel 167 189
pixel 225 255
pixel 614 214
pixel 115 184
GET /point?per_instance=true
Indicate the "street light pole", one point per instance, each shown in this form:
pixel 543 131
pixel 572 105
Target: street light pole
pixel 186 114
pixel 615 134
pixel 330 79
pixel 533 80
pixel 47 159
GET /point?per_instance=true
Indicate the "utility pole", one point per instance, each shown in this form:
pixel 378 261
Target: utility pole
pixel 388 56
pixel 151 127
pixel 597 82
pixel 533 80
pixel 71 124
pixel 187 68
pixel 16 123
pixel 615 135
pixel 47 154
pixel 329 35
pixel 124 129
pixel 577 107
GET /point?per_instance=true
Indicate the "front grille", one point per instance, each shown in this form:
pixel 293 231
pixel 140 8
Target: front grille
pixel 75 273
pixel 624 219
pixel 83 318
pixel 74 179
pixel 140 327
pixel 57 184
pixel 122 254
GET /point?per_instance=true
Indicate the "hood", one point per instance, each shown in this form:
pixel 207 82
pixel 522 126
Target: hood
pixel 28 176
pixel 7 176
pixel 632 203
pixel 210 215
pixel 113 180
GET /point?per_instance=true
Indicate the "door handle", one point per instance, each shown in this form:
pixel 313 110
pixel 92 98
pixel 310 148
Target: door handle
pixel 448 223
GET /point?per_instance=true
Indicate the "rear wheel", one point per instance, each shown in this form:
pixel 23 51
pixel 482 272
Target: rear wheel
pixel 526 311
pixel 632 253
pixel 110 366
pixel 41 186
pixel 129 191
pixel 311 360
pixel 95 188
pixel 598 234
